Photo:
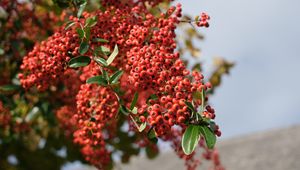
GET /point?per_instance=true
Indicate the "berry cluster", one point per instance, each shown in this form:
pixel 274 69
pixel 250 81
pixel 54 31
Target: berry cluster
pixel 151 68
pixel 66 95
pixel 96 109
pixel 65 117
pixel 132 2
pixel 46 63
pixel 212 155
pixel 203 21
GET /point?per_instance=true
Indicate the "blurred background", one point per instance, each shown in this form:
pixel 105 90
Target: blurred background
pixel 262 38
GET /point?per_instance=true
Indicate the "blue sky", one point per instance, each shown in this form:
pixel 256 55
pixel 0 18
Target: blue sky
pixel 262 38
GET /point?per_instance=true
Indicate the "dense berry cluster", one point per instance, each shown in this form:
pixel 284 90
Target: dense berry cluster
pixel 69 90
pixel 46 63
pixel 65 117
pixel 151 67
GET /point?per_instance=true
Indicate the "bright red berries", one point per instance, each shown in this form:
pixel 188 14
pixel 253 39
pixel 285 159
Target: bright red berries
pixel 203 21
pixel 151 67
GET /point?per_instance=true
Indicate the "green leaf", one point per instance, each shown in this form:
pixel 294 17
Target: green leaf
pixel 97 80
pixel 190 139
pixel 84 47
pixel 9 87
pixel 115 77
pixel 212 125
pixel 151 97
pixel 134 100
pixel 81 9
pixel 152 136
pixel 105 75
pixel 32 115
pixel 104 50
pixel 197 67
pixel 69 25
pixel 80 33
pixel 87 31
pixel 91 21
pixel 124 110
pixel 113 55
pixel 204 121
pixel 113 68
pixel 134 110
pixel 100 40
pixel 190 106
pixel 62 3
pixel 210 137
pixel 79 61
pixel 101 61
pixel 142 127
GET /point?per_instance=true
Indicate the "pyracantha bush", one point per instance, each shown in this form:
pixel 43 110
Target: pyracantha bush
pixel 120 64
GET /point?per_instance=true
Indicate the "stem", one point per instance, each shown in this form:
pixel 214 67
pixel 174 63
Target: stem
pixel 118 98
pixel 202 100
pixel 84 34
pixel 134 121
pixel 115 93
pixel 188 21
pixel 192 26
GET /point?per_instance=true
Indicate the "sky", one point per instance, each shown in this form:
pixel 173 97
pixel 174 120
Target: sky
pixel 262 38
